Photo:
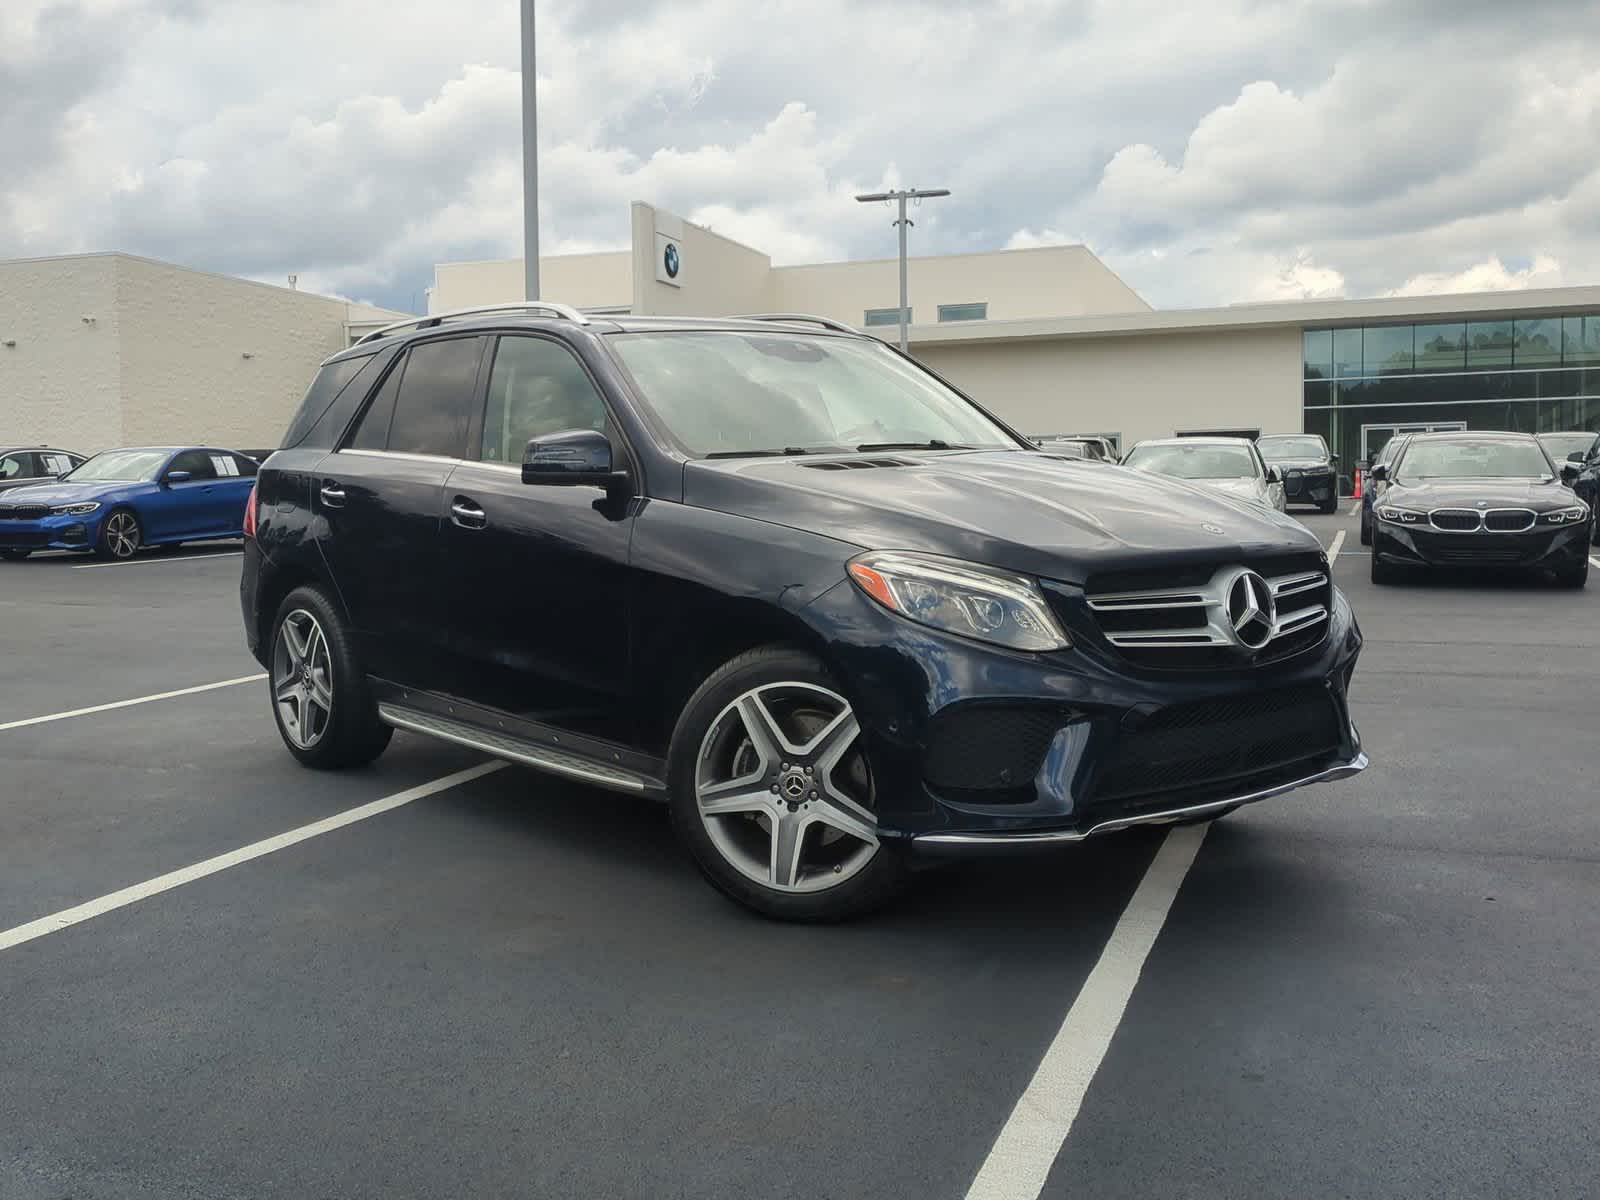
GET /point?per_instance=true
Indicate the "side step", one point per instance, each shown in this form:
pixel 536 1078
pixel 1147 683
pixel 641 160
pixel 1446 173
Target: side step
pixel 503 745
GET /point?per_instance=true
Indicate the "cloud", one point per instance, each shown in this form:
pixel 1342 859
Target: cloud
pixel 1491 275
pixel 1239 150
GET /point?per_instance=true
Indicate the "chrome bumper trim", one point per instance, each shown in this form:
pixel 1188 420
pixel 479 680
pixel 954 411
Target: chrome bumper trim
pixel 1343 770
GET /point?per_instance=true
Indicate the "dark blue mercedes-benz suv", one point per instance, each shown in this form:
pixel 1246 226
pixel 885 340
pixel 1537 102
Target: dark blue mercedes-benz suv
pixel 790 581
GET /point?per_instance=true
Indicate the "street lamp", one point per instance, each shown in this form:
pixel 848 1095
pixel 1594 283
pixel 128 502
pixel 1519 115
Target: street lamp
pixel 902 195
pixel 530 159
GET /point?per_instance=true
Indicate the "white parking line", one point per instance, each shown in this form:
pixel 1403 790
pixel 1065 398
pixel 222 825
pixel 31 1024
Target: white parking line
pixel 1355 509
pixel 1338 545
pixel 1032 1136
pixel 1594 561
pixel 147 562
pixel 112 901
pixel 99 708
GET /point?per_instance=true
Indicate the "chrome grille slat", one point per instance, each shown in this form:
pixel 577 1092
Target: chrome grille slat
pixel 1476 520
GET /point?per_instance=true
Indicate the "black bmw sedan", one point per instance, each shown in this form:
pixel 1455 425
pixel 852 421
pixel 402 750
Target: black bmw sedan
pixel 1479 500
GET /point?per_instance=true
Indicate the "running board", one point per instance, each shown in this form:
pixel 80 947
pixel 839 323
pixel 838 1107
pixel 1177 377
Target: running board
pixel 503 745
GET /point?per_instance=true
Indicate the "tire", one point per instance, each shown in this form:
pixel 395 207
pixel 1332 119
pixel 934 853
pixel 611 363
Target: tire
pixel 320 698
pixel 817 789
pixel 1575 576
pixel 1331 504
pixel 14 555
pixel 121 535
pixel 1594 527
pixel 1382 573
pixel 1366 529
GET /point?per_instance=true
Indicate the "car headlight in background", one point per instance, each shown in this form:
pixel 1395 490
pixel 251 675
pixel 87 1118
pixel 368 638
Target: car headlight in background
pixel 973 601
pixel 75 510
pixel 1400 516
pixel 1565 516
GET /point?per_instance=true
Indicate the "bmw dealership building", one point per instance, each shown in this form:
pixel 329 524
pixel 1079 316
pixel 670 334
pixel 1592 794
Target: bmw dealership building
pixel 99 350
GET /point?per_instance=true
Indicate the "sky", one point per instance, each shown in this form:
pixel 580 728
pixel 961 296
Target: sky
pixel 1209 151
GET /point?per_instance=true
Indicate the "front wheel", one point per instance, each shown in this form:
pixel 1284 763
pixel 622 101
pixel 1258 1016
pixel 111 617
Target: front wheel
pixel 1366 529
pixel 320 698
pixel 1382 572
pixel 14 555
pixel 121 535
pixel 1331 504
pixel 772 794
pixel 1574 576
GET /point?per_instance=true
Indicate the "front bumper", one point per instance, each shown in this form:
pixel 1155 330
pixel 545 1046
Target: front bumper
pixel 1539 548
pixel 954 729
pixel 62 532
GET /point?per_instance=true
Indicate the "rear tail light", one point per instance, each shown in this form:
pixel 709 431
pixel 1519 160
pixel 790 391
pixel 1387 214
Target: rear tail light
pixel 250 512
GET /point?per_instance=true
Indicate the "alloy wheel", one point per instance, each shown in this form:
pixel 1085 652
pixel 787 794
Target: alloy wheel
pixel 302 679
pixel 122 534
pixel 783 788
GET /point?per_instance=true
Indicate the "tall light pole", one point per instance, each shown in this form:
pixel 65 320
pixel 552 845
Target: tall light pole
pixel 902 195
pixel 530 159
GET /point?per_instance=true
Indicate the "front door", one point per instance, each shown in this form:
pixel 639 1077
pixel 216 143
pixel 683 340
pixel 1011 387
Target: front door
pixel 380 498
pixel 186 508
pixel 538 574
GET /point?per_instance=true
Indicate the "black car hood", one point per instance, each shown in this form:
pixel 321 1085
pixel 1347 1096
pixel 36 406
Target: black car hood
pixel 1024 512
pixel 1424 494
pixel 1297 464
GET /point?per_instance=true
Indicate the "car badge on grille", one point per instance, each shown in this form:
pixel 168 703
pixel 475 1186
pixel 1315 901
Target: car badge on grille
pixel 1252 611
pixel 1483 504
pixel 1210 528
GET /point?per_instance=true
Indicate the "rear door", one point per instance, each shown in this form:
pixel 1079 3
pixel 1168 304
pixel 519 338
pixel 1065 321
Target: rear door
pixel 235 475
pixel 537 574
pixel 380 500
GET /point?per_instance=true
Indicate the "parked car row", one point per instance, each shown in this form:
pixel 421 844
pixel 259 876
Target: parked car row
pixel 119 502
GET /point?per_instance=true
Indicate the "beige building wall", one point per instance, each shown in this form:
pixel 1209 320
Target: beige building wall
pixel 1139 386
pixel 721 277
pixel 1052 281
pixel 603 280
pixel 60 383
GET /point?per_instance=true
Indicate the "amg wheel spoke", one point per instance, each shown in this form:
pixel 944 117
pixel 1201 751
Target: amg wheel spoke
pixel 788 839
pixel 735 796
pixel 832 742
pixel 286 689
pixel 321 694
pixel 765 737
pixel 846 816
pixel 295 641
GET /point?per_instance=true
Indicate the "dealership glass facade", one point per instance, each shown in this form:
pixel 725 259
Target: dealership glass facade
pixel 1533 374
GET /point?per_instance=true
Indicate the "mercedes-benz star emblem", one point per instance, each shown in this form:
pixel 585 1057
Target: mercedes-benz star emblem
pixel 1210 528
pixel 1252 612
pixel 794 785
pixel 670 259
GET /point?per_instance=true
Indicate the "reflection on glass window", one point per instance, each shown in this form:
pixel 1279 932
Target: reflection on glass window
pixel 1441 347
pixel 1386 350
pixel 1538 342
pixel 1489 344
pixel 1346 352
pixel 1581 341
pixel 1319 353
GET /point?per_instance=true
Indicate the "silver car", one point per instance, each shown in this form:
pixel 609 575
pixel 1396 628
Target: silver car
pixel 1232 466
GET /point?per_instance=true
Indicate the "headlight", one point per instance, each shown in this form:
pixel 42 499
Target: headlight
pixel 1401 516
pixel 976 602
pixel 86 506
pixel 1565 516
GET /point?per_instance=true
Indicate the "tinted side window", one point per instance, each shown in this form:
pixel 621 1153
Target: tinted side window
pixel 372 433
pixel 434 407
pixel 246 466
pixel 196 462
pixel 537 387
pixel 16 466
pixel 330 382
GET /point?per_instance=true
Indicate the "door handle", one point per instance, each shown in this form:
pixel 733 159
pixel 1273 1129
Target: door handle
pixel 332 494
pixel 468 515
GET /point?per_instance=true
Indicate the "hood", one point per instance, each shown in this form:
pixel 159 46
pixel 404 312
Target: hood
pixel 1012 509
pixel 67 493
pixel 1297 464
pixel 1536 494
pixel 1246 487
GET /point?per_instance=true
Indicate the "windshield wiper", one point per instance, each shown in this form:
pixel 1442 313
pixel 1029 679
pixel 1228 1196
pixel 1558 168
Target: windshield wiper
pixel 930 444
pixel 786 450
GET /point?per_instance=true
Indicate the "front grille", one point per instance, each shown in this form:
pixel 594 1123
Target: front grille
pixel 1455 520
pixel 1509 520
pixel 988 751
pixel 1188 748
pixel 23 512
pixel 1187 623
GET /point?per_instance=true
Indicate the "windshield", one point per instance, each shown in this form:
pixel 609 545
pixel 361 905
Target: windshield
pixel 727 393
pixel 1559 445
pixel 1198 461
pixel 1273 448
pixel 129 465
pixel 1465 458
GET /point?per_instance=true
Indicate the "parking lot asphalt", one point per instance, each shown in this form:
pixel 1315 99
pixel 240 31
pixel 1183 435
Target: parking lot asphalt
pixel 516 986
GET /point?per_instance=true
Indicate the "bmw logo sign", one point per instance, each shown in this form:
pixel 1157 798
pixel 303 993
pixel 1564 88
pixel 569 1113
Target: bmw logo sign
pixel 669 259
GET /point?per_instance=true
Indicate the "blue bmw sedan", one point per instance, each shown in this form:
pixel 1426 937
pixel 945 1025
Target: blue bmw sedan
pixel 120 501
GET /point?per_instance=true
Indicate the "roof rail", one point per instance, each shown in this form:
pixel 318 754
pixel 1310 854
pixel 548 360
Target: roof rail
pixel 565 311
pixel 801 319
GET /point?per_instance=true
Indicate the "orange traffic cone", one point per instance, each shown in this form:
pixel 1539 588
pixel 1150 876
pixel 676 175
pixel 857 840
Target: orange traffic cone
pixel 1356 495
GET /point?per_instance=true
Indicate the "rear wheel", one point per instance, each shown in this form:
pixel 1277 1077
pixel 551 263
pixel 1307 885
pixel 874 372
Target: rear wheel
pixel 320 698
pixel 772 794
pixel 121 535
pixel 14 555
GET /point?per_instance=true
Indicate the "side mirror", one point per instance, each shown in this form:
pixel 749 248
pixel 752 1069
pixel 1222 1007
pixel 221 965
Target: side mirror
pixel 1334 459
pixel 1569 474
pixel 178 477
pixel 572 458
pixel 1274 475
pixel 1379 473
pixel 1578 457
